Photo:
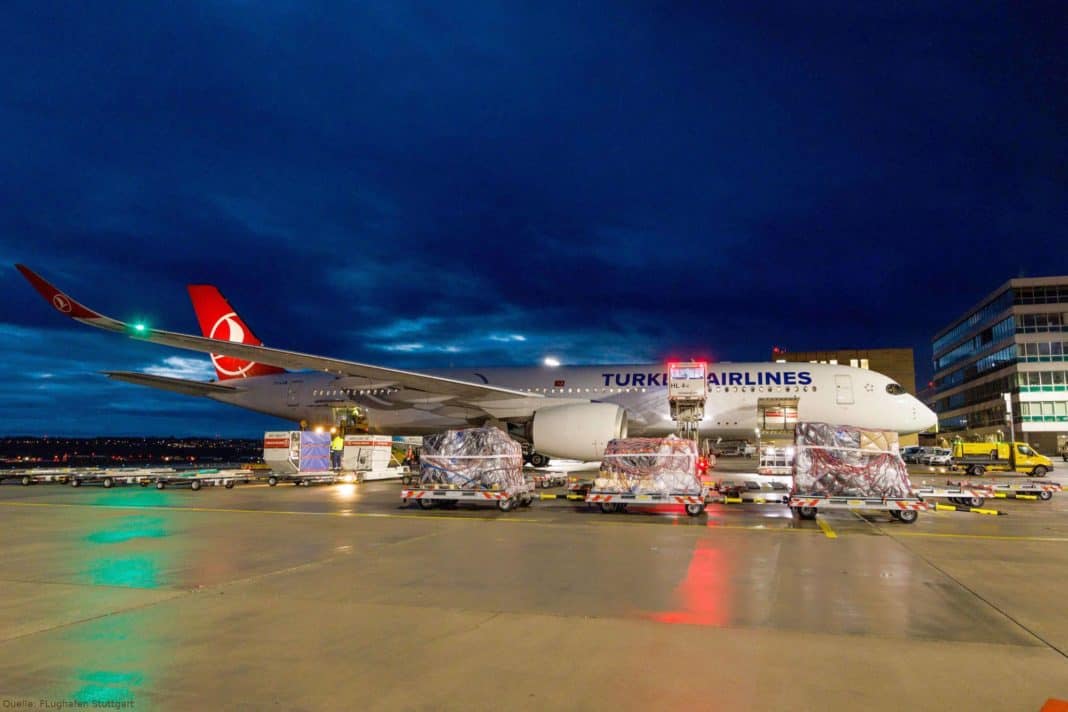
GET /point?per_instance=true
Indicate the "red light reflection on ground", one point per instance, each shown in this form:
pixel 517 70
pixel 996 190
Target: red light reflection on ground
pixel 703 595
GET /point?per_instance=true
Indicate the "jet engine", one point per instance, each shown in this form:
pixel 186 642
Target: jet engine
pixel 579 431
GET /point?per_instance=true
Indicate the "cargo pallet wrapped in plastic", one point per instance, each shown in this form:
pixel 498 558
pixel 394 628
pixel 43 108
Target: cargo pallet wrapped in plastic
pixel 649 471
pixel 851 467
pixel 474 465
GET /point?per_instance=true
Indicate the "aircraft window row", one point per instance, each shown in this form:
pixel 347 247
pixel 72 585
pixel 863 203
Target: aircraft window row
pixel 764 389
pixel 718 389
pixel 338 392
pixel 583 390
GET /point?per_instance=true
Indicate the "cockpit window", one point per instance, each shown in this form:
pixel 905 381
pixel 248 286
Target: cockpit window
pixel 895 389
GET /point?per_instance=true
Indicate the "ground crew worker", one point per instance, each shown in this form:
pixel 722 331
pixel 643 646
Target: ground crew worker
pixel 337 446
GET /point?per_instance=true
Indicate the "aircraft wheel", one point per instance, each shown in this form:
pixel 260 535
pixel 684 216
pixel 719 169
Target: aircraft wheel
pixel 538 460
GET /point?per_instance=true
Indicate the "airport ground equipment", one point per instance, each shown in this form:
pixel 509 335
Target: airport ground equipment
pixel 200 479
pixel 306 479
pixel 976 459
pixel 776 459
pixel 371 456
pixel 429 496
pixel 904 509
pixel 1030 489
pixel 289 452
pixel 687 393
pixel 610 502
pixel 546 480
pixel 649 472
pixel 27 477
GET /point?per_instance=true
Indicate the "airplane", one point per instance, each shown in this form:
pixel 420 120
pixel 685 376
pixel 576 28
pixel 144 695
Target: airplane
pixel 568 412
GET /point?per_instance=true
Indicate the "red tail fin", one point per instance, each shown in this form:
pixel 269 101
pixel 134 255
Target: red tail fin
pixel 218 320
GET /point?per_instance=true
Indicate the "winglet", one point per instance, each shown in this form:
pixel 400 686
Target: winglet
pixel 60 301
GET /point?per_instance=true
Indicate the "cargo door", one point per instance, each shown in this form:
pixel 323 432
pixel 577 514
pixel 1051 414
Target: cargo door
pixel 293 393
pixel 777 415
pixel 843 390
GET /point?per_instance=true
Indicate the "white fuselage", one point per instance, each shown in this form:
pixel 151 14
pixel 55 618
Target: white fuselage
pixel 823 393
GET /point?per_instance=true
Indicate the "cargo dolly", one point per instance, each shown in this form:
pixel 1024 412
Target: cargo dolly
pixel 904 509
pixel 1016 490
pixel 305 479
pixel 33 477
pixel 750 492
pixel 429 496
pixel 610 502
pixel 203 478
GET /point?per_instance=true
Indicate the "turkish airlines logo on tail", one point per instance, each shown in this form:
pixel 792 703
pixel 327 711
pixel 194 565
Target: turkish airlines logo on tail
pixel 228 328
pixel 62 303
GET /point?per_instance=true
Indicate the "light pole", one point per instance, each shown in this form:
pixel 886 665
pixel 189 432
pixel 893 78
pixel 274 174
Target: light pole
pixel 758 451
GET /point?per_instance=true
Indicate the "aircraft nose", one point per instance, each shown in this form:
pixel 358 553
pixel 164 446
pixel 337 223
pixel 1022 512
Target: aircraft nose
pixel 925 418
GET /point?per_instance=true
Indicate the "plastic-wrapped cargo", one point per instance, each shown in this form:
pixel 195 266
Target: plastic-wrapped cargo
pixel 649 466
pixel 473 458
pixel 840 460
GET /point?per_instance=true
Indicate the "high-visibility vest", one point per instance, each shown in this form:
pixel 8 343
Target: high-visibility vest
pixel 338 443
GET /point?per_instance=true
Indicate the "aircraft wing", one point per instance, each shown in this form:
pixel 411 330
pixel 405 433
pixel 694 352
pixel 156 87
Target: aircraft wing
pixel 471 392
pixel 177 385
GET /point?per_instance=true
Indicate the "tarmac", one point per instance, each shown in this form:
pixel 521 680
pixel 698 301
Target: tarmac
pixel 337 597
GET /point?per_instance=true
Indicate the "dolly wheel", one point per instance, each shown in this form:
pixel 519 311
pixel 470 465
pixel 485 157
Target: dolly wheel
pixel 26 481
pixel 1045 496
pixel 907 516
pixel 229 485
pixel 108 483
pixel 974 501
pixel 194 485
pixel 806 512
pixel 695 510
pixel 272 480
pixel 425 503
pixel 160 484
pixel 75 482
pixel 505 505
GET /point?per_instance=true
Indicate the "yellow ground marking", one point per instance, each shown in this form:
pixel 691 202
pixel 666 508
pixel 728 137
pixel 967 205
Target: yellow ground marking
pixel 826 529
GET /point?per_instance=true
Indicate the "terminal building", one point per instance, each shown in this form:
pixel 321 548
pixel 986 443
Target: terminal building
pixel 898 364
pixel 1015 340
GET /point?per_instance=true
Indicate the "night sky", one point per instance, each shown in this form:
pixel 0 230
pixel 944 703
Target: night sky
pixel 463 183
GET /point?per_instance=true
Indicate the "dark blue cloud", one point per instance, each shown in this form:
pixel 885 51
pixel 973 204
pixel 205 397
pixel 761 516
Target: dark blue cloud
pixel 610 181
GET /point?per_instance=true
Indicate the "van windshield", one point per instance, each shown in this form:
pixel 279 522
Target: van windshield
pixel 1024 450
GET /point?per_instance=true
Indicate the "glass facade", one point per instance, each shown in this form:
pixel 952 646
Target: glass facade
pixel 991 344
pixel 988 311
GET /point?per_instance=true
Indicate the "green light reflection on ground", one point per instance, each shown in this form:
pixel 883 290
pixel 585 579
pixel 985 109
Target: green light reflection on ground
pixel 127 528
